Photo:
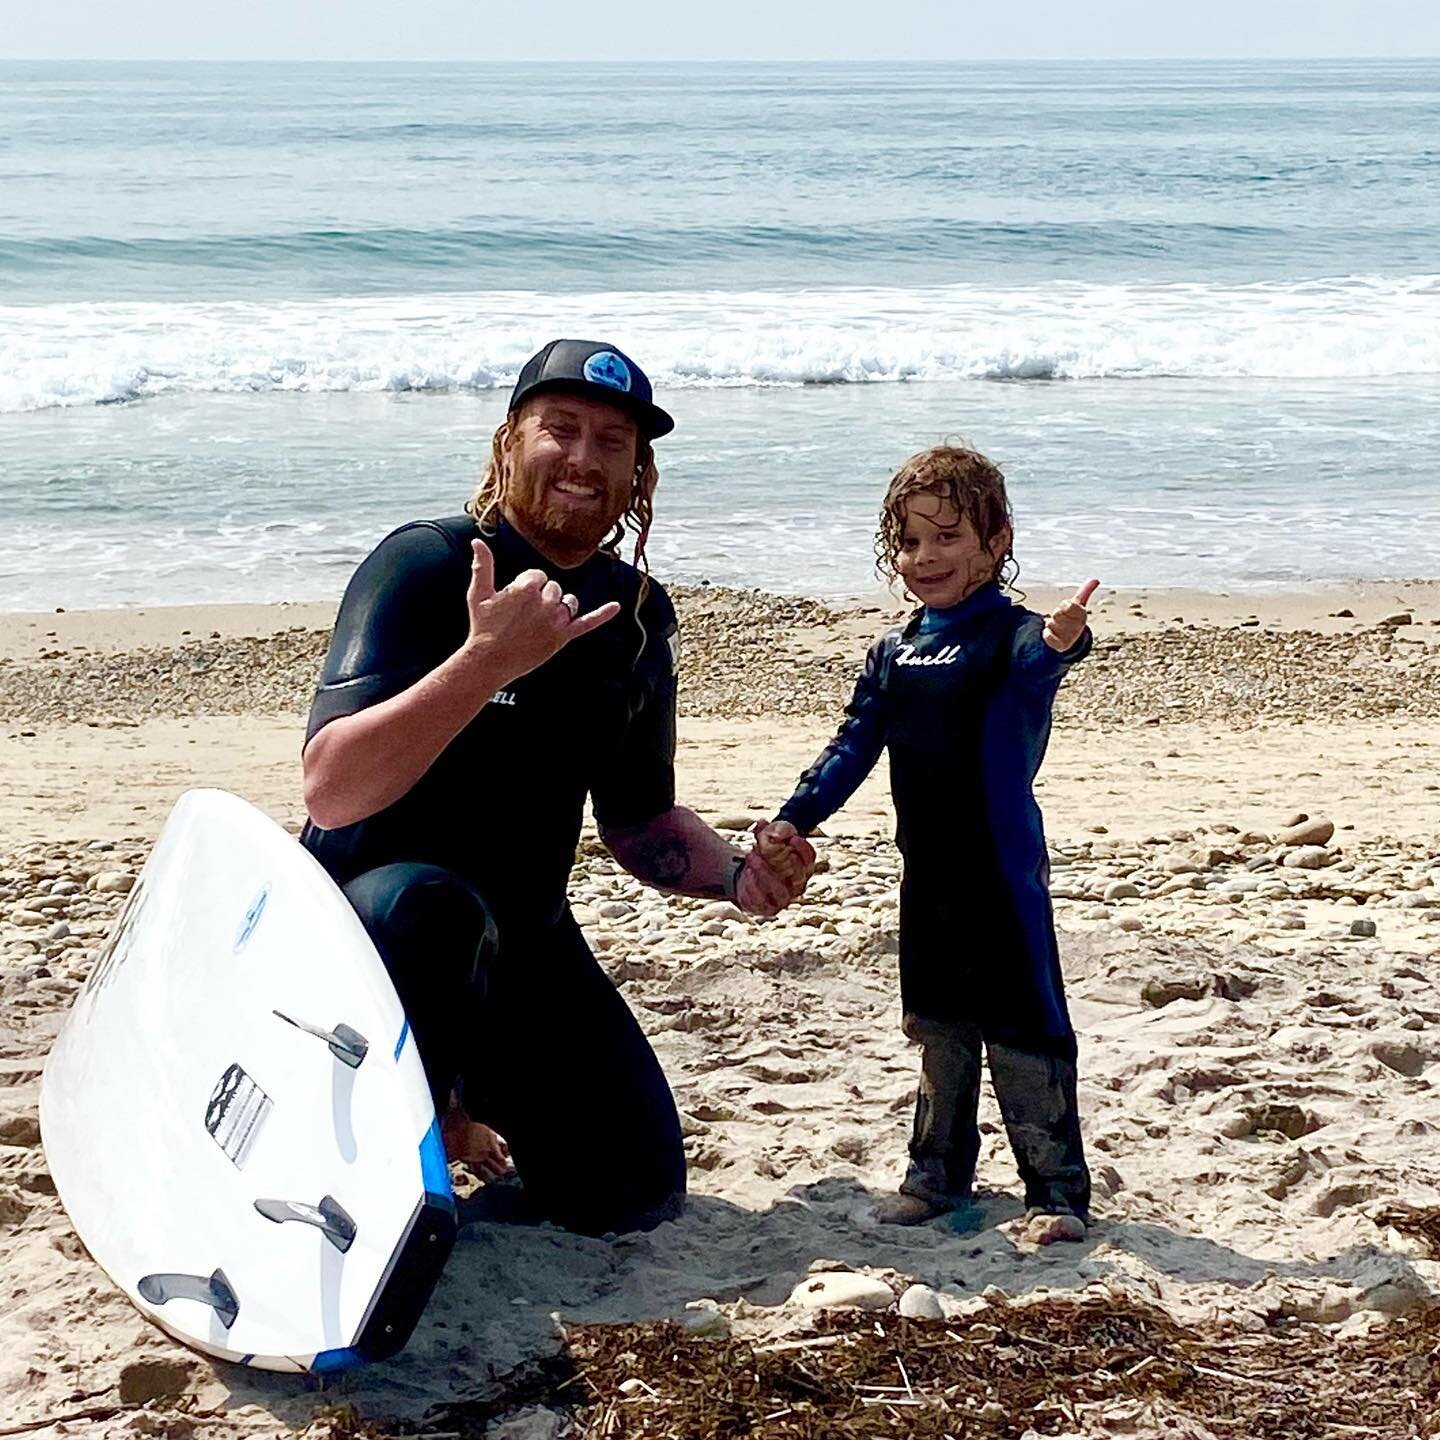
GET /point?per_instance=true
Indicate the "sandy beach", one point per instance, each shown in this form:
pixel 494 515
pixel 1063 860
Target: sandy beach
pixel 1257 1007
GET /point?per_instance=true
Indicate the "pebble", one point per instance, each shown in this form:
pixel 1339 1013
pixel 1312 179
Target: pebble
pixel 615 910
pixel 1365 929
pixel 1108 1181
pixel 736 822
pixel 920 1302
pixel 1053 1229
pixel 538 1423
pixel 1308 857
pixel 1401 1056
pixel 1181 865
pixel 720 910
pixel 1239 886
pixel 1313 830
pixel 112 882
pixel 1158 993
pixel 22 1130
pixel 706 1324
pixel 1182 883
pixel 1122 890
pixel 142 1381
pixel 842 1290
pixel 1284 1119
pixel 1400 1295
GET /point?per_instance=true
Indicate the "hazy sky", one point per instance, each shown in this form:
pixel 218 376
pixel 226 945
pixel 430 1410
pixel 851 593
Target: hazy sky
pixel 725 29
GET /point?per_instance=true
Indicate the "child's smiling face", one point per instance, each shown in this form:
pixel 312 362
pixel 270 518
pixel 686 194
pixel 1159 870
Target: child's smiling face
pixel 941 559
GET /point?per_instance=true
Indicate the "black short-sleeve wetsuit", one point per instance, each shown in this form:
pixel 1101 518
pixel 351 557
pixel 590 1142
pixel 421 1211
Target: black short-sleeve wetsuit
pixel 540 1043
pixel 503 805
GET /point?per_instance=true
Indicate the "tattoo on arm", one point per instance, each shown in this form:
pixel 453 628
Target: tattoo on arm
pixel 680 853
pixel 662 860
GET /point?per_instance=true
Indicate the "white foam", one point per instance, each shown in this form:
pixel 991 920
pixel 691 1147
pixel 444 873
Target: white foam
pixel 65 355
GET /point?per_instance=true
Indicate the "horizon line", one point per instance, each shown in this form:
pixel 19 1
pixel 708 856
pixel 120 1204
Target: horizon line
pixel 715 60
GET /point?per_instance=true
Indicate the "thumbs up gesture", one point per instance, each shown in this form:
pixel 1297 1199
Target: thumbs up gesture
pixel 528 621
pixel 1065 624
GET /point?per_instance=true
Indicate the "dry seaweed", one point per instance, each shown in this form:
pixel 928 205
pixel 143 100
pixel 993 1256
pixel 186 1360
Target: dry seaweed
pixel 1097 1366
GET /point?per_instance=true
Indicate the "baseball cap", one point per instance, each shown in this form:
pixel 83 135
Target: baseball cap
pixel 598 370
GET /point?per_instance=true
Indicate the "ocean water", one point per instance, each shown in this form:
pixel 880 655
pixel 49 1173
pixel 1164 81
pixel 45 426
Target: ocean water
pixel 251 317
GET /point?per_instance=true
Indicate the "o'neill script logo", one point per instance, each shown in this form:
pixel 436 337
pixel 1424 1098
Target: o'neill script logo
pixel 945 655
pixel 503 697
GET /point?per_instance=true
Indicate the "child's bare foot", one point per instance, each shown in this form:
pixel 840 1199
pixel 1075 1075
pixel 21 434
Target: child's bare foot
pixel 903 1209
pixel 474 1145
pixel 1045 1228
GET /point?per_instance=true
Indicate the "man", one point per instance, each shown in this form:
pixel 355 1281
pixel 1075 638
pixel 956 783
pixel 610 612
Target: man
pixel 487 673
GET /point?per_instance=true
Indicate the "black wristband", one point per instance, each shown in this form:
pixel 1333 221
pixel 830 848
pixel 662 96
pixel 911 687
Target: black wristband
pixel 732 877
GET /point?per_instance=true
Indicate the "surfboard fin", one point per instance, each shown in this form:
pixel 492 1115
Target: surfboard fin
pixel 212 1290
pixel 348 1046
pixel 328 1217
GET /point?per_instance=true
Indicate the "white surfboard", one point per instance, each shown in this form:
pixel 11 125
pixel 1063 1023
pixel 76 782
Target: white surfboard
pixel 235 1114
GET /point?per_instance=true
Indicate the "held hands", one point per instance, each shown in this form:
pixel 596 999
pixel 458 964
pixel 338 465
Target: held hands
pixel 528 621
pixel 1065 624
pixel 777 869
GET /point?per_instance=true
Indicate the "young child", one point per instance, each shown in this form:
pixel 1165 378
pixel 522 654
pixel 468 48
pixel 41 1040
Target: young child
pixel 961 696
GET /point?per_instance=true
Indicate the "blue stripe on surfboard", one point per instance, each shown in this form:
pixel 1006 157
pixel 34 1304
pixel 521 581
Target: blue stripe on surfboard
pixel 434 1167
pixel 330 1361
pixel 404 1034
pixel 246 1359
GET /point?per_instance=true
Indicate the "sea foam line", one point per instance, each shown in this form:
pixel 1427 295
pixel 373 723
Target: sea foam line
pixel 1360 327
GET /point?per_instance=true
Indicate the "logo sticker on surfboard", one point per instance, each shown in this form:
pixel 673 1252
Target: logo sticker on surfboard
pixel 236 1113
pixel 252 918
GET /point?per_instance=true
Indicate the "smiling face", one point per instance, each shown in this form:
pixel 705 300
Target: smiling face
pixel 941 559
pixel 571 463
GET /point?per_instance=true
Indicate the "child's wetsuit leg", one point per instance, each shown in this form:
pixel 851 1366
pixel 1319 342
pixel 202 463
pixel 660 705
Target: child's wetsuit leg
pixel 1036 1094
pixel 945 1143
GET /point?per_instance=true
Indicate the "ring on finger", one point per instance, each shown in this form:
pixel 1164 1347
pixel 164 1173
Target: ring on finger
pixel 571 604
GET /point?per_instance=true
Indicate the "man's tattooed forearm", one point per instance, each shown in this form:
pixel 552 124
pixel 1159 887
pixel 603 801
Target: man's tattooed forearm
pixel 663 860
pixel 677 851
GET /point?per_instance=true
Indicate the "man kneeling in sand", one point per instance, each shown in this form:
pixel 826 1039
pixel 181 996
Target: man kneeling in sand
pixel 486 673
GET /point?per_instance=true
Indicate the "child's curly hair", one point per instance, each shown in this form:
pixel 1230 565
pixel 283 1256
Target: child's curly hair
pixel 974 485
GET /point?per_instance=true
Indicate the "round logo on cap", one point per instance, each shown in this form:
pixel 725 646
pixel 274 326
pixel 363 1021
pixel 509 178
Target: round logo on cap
pixel 606 368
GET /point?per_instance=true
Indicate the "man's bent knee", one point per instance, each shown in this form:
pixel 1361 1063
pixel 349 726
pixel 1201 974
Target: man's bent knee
pixel 410 909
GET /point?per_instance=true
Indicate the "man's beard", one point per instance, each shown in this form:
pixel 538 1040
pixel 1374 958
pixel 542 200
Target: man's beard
pixel 577 528
pixel 562 526
pixel 567 529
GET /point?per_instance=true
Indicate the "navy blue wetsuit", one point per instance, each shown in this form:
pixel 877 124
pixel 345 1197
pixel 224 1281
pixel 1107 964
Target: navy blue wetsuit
pixel 962 698
pixel 462 881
